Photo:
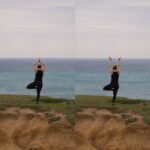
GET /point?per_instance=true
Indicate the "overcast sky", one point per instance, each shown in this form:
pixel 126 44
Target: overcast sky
pixel 37 28
pixel 75 28
pixel 113 28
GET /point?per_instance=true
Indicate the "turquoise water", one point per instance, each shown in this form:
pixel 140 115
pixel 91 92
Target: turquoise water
pixel 68 77
pixel 58 80
pixel 92 75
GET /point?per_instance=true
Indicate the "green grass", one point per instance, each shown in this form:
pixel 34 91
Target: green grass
pixel 139 106
pixel 69 107
pixel 64 106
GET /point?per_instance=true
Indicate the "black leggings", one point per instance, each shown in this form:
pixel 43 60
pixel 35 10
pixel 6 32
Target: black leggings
pixel 113 88
pixel 36 85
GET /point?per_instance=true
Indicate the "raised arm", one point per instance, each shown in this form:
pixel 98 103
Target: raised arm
pixel 119 64
pixel 43 66
pixel 35 66
pixel 110 65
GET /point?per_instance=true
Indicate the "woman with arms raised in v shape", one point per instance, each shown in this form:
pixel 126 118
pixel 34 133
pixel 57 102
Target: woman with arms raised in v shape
pixel 114 84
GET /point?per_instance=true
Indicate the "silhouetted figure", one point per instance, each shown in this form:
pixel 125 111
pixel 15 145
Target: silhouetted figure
pixel 39 68
pixel 114 84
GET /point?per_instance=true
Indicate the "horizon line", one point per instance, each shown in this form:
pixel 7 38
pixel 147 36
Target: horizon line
pixel 71 58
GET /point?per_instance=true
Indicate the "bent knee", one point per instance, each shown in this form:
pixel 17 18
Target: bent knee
pixel 27 87
pixel 105 88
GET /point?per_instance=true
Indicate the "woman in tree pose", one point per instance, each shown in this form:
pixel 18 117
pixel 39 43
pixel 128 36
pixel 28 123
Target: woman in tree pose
pixel 39 68
pixel 114 84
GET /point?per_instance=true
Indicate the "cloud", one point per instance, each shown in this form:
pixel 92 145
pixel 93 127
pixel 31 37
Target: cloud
pixel 114 28
pixel 34 28
pixel 61 28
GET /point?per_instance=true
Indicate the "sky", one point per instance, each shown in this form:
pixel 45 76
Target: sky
pixel 75 28
pixel 37 28
pixel 113 28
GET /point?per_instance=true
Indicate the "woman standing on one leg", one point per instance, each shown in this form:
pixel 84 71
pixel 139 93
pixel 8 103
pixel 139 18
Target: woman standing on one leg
pixel 114 84
pixel 39 68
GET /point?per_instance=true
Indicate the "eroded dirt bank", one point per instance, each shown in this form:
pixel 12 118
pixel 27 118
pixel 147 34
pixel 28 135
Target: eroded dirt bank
pixel 24 129
pixel 102 130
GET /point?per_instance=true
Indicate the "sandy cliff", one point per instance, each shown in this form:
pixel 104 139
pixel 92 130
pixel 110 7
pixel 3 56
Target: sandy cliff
pixel 24 129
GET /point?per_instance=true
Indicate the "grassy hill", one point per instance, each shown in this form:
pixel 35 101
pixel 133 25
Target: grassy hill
pixel 69 107
pixel 141 107
pixel 64 106
pixel 87 123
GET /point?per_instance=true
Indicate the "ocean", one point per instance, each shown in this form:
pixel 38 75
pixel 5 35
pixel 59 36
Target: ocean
pixel 59 79
pixel 66 78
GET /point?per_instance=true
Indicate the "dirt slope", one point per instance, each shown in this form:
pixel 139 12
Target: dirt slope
pixel 102 130
pixel 24 129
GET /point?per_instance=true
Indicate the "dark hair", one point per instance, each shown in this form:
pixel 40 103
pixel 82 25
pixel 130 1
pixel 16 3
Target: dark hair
pixel 39 66
pixel 115 67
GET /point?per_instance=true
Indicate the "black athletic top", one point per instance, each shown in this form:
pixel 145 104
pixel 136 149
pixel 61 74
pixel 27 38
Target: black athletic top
pixel 114 78
pixel 39 76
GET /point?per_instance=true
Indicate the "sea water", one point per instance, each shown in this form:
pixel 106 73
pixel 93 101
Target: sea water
pixel 58 80
pixel 66 78
pixel 92 75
